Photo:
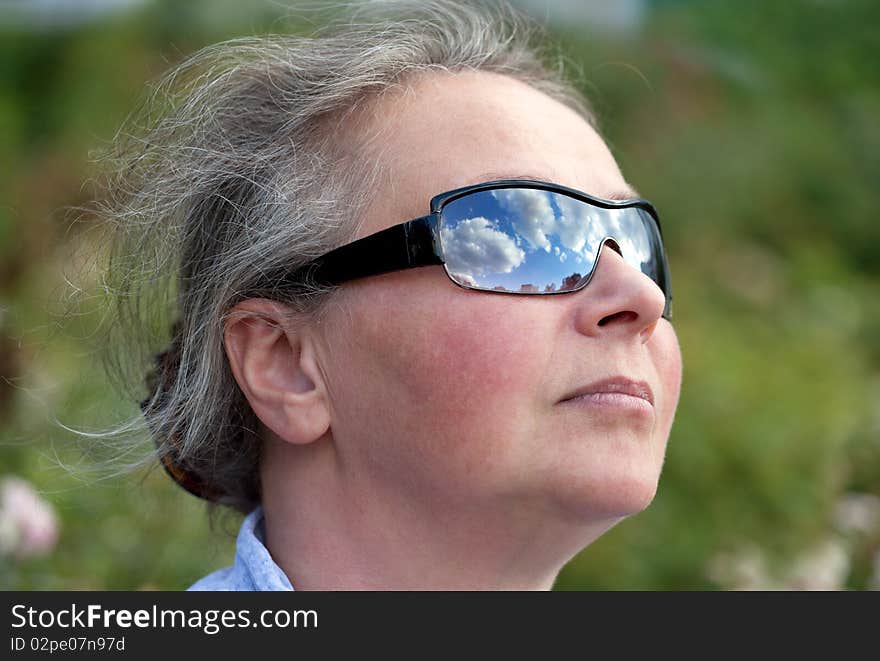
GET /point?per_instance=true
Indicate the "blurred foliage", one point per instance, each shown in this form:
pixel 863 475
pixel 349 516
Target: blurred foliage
pixel 752 126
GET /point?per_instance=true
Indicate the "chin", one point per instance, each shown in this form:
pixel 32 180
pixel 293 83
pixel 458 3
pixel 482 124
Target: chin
pixel 609 496
pixel 607 472
pixel 631 496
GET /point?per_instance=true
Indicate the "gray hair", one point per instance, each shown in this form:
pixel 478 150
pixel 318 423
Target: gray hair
pixel 245 162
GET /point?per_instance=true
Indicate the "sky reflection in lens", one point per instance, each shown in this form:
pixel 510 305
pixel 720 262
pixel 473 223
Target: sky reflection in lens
pixel 531 240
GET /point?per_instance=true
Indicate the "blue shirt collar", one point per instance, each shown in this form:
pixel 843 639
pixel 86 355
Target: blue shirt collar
pixel 254 568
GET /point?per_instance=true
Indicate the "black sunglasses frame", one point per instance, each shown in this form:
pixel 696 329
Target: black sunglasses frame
pixel 416 243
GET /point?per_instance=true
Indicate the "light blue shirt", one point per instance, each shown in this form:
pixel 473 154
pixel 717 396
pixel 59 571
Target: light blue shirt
pixel 254 568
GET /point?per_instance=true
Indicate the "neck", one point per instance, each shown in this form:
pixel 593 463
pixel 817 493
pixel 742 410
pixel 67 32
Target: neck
pixel 329 530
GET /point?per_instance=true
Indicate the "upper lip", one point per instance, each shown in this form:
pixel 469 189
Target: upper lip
pixel 619 384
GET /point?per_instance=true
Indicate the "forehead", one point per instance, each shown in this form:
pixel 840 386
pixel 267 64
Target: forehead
pixel 451 130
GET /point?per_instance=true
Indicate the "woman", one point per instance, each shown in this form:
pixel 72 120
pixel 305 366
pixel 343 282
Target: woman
pixel 477 384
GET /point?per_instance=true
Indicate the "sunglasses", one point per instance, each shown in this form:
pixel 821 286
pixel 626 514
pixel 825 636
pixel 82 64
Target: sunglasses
pixel 509 237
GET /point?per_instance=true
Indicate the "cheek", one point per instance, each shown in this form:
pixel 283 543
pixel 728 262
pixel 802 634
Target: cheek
pixel 468 356
pixel 666 355
pixel 673 362
pixel 453 378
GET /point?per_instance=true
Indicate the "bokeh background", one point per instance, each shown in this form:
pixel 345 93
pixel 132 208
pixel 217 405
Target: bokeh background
pixel 753 126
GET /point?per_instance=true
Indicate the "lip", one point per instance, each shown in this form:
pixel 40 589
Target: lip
pixel 616 385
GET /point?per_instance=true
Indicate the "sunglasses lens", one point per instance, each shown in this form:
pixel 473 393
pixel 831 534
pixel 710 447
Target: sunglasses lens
pixel 528 240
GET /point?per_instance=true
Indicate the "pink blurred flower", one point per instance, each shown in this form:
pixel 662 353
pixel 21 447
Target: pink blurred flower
pixel 28 525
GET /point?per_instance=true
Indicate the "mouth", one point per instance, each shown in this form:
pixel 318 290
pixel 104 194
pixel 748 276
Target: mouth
pixel 618 389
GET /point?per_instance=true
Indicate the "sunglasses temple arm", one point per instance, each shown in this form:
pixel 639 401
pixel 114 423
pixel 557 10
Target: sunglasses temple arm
pixel 410 244
pixel 423 241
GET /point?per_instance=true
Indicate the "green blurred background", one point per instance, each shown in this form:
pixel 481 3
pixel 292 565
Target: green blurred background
pixel 755 129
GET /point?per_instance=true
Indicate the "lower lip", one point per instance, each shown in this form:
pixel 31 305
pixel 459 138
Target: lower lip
pixel 612 400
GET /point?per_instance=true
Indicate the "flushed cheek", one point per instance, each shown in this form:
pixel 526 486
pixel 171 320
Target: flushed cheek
pixel 473 362
pixel 464 371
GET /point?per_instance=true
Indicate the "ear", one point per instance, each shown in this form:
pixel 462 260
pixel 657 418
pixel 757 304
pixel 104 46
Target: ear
pixel 275 367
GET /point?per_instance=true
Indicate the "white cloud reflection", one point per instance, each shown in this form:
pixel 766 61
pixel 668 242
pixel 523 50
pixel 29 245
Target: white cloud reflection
pixel 533 216
pixel 475 246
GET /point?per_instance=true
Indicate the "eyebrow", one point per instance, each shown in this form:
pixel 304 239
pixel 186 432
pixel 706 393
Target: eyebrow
pixel 621 194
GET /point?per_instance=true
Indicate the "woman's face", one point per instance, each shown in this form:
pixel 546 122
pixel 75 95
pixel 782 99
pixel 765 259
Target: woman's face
pixel 453 398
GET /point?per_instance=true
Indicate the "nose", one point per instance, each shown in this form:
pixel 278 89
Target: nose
pixel 619 299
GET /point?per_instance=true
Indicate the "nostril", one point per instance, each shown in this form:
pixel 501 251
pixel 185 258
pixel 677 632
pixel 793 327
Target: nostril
pixel 624 316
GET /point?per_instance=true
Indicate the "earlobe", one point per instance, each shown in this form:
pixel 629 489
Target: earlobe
pixel 276 368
